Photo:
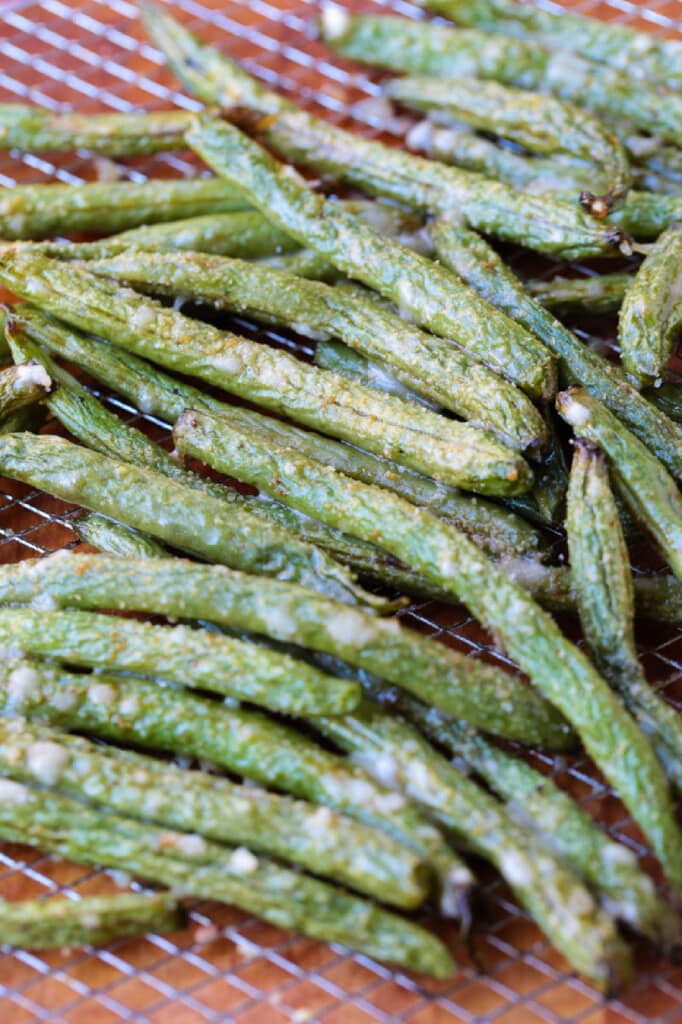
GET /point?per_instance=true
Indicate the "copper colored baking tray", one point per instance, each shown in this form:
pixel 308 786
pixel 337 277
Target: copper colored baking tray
pixel 92 56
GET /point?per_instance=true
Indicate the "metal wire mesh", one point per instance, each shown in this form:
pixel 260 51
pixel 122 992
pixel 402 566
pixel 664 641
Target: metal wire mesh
pixel 91 55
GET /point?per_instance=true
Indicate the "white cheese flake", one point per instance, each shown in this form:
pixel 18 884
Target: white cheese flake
pixel 334 21
pixel 13 793
pixel 22 684
pixel 45 761
pixel 243 862
pixel 102 694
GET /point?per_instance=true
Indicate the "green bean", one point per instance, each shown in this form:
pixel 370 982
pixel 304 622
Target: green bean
pixel 540 124
pixel 371 166
pixel 433 296
pixel 246 234
pixel 22 385
pixel 432 366
pixel 334 355
pixel 638 53
pixel 196 866
pixel 651 314
pixel 427 48
pixel 479 264
pixel 608 867
pixel 455 144
pixel 243 741
pixel 646 180
pixel 648 490
pixel 602 583
pixel 90 921
pixel 596 295
pixel 390 748
pixel 38 211
pixel 86 418
pixel 37 130
pixel 203 525
pixel 193 657
pixel 445 449
pixel 287 613
pixel 446 557
pixel 646 214
pixel 142 787
pixel 116 539
pixel 667 398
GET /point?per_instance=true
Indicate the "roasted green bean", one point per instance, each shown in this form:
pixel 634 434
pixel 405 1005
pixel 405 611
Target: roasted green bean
pixel 22 385
pixel 446 557
pixel 90 921
pixel 596 295
pixel 651 314
pixel 191 864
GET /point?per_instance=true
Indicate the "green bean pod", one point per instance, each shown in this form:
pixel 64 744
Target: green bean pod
pixel 37 130
pixel 446 449
pixel 540 124
pixel 600 570
pixel 646 214
pixel 373 167
pixel 22 385
pixel 651 314
pixel 446 557
pixel 390 748
pixel 142 787
pixel 246 743
pixel 648 490
pixel 190 864
pixel 117 539
pixel 433 296
pixel 609 867
pixel 479 264
pixel 640 54
pixel 435 368
pixel 427 48
pixel 283 612
pixel 334 355
pixel 38 211
pixel 595 296
pixel 90 921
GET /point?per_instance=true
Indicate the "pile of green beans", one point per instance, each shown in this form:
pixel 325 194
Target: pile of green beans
pixel 443 433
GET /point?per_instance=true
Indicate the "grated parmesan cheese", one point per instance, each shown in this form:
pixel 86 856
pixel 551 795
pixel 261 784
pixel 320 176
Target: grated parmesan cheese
pixel 45 760
pixel 334 21
pixel 13 793
pixel 102 694
pixel 243 861
pixel 22 684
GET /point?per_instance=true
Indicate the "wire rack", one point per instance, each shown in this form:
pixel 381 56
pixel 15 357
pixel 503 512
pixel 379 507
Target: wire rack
pixel 91 55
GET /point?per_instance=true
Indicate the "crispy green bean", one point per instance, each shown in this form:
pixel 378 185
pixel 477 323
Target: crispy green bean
pixel 473 691
pixel 38 211
pixel 445 449
pixel 193 657
pixel 431 295
pixel 373 167
pixel 461 146
pixel 648 490
pixel 479 264
pixel 540 124
pixel 435 368
pixel 638 53
pixel 142 787
pixel 201 524
pixel 37 130
pixel 117 539
pixel 446 557
pixel 90 921
pixel 602 583
pixel 22 385
pixel 246 234
pixel 190 864
pixel 391 749
pixel 651 314
pixel 427 48
pixel 596 295
pixel 667 398
pixel 242 741
pixel 646 214
pixel 609 867
pixel 495 529
pixel 334 355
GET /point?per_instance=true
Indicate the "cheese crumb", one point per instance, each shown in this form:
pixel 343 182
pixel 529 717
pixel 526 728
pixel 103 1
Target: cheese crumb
pixel 13 793
pixel 575 413
pixel 23 683
pixel 243 861
pixel 515 869
pixel 34 373
pixel 46 760
pixel 101 693
pixel 191 845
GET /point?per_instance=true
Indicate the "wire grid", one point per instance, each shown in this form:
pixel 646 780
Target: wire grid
pixel 91 55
